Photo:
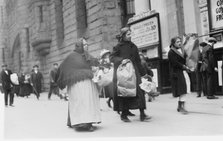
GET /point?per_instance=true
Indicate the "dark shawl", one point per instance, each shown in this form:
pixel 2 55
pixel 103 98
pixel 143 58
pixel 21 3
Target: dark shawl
pixel 76 67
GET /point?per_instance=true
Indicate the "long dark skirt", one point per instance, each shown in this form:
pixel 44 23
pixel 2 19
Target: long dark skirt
pixel 179 86
pixel 25 90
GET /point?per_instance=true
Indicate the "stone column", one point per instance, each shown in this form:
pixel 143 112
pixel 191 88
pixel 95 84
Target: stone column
pixel 141 6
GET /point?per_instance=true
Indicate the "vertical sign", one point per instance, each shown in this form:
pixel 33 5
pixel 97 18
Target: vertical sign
pixel 220 73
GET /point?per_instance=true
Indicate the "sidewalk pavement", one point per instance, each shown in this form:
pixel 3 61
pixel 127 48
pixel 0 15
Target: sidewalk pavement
pixel 45 119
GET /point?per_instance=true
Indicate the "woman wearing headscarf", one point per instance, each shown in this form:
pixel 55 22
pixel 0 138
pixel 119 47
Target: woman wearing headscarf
pixel 126 49
pixel 177 61
pixel 75 72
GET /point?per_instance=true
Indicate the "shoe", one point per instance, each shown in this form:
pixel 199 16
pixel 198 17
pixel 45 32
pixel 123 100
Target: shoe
pixel 155 94
pixel 130 114
pixel 69 126
pixel 198 96
pixel 125 119
pixel 181 108
pixel 11 105
pixel 144 117
pixel 90 128
pixel 212 97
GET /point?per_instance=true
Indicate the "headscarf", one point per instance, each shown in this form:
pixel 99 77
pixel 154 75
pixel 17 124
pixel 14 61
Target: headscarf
pixel 122 33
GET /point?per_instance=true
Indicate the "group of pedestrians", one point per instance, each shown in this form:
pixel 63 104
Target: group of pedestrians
pixel 205 69
pixel 26 84
pixel 22 85
pixel 76 74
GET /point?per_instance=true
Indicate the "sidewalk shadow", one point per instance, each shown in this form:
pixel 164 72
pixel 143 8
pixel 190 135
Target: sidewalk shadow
pixel 204 113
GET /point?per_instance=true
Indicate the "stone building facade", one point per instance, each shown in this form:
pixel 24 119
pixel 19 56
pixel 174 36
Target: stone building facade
pixel 43 32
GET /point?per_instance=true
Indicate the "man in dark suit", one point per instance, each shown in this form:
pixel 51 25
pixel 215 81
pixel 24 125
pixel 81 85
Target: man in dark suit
pixel 53 85
pixel 7 85
pixel 209 65
pixel 201 75
pixel 36 81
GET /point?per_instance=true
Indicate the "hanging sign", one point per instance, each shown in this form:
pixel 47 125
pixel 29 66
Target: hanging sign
pixel 216 8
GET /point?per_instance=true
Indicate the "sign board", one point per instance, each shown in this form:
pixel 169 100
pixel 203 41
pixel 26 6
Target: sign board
pixel 220 73
pixel 216 12
pixel 204 22
pixel 145 33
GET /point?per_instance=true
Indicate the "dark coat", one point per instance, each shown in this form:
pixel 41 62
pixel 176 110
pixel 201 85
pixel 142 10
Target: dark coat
pixel 53 73
pixel 25 87
pixel 36 80
pixel 6 81
pixel 177 66
pixel 208 59
pixel 147 70
pixel 128 50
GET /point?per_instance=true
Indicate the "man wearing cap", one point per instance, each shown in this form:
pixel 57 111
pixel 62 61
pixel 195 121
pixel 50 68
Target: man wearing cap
pixel 36 80
pixel 7 85
pixel 201 73
pixel 53 85
pixel 210 68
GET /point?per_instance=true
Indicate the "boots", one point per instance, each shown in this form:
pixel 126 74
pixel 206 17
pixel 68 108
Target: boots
pixel 143 116
pixel 181 107
pixel 124 116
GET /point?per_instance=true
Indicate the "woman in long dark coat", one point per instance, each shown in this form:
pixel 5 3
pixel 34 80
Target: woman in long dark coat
pixel 128 50
pixel 25 85
pixel 177 65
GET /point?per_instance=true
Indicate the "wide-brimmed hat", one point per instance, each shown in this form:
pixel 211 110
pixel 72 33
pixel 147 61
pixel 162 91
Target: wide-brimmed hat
pixel 212 39
pixel 35 66
pixel 4 65
pixel 104 52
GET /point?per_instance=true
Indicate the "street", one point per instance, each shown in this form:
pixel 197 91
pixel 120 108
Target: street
pixel 45 119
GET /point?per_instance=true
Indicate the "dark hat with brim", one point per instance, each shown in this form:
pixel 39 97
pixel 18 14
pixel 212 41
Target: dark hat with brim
pixel 35 66
pixel 212 39
pixel 203 44
pixel 4 65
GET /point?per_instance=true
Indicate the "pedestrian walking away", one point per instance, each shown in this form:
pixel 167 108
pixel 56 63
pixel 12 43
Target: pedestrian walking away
pixel 53 85
pixel 7 85
pixel 76 73
pixel 122 53
pixel 177 60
